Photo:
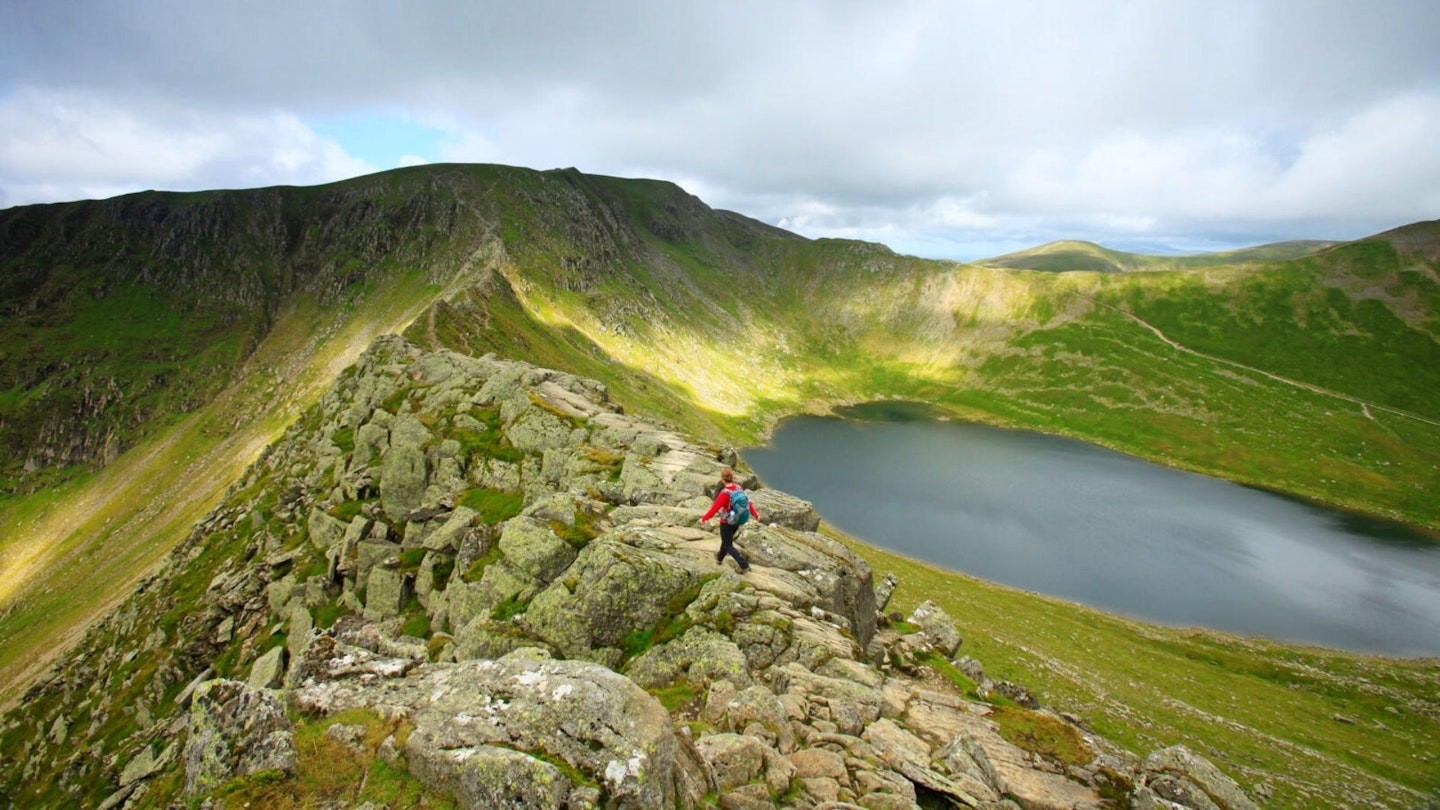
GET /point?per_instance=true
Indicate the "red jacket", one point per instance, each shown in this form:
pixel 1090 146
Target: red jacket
pixel 722 503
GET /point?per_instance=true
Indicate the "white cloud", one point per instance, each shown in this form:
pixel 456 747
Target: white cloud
pixel 1382 162
pixel 67 145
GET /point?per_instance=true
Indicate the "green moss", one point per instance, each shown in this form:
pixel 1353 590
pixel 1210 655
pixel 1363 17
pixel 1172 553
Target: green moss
pixel 476 571
pixel 344 438
pixel 577 534
pixel 671 625
pixel 509 608
pixel 417 625
pixel 676 695
pixel 331 773
pixel 949 672
pixel 325 614
pixel 493 505
pixel 411 558
pixel 1042 734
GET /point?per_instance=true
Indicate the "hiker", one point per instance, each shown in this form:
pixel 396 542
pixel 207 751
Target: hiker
pixel 735 507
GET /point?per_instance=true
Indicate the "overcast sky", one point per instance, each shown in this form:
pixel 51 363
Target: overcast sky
pixel 945 129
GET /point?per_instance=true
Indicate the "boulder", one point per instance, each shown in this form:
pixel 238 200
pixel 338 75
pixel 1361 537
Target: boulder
pixel 594 720
pixel 735 759
pixel 782 509
pixel 235 731
pixel 1188 766
pixel 451 533
pixel 532 547
pixel 613 589
pixel 268 670
pixel 404 472
pixel 940 630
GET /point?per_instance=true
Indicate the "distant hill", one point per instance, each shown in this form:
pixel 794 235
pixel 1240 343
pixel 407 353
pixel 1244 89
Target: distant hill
pixel 1066 256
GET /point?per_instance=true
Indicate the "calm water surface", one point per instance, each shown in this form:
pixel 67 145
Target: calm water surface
pixel 1084 523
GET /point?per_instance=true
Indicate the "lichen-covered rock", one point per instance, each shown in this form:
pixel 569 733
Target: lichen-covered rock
pixel 701 656
pixel 529 518
pixel 235 731
pixel 783 509
pixel 404 473
pixel 613 589
pixel 268 670
pixel 595 720
pixel 1184 765
pixel 532 547
pixel 939 628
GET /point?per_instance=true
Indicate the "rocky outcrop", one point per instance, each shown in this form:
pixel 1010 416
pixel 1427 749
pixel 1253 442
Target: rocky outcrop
pixel 520 579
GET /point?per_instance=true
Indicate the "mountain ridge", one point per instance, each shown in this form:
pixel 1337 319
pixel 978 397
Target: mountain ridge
pixel 1076 255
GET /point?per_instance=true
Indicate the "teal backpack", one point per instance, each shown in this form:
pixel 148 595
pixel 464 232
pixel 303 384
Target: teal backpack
pixel 739 507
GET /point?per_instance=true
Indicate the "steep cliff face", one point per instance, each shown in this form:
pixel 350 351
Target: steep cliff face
pixel 125 313
pixel 501 572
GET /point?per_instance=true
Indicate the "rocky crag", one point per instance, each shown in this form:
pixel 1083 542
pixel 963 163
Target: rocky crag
pixel 486 577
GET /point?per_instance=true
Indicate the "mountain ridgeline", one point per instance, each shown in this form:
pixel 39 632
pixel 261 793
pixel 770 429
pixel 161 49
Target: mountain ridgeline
pixel 152 345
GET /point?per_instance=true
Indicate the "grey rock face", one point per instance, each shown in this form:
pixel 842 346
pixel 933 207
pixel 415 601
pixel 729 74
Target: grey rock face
pixel 235 731
pixel 944 636
pixel 1181 775
pixel 593 719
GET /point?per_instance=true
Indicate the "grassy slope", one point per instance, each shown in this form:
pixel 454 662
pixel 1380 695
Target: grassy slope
pixel 652 302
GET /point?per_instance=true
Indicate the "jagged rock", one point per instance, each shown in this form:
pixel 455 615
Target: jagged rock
pixel 756 711
pixel 841 583
pixel 268 670
pixel 615 587
pixel 849 705
pixel 325 530
pixel 385 593
pixel 404 472
pixel 532 547
pixel 782 509
pixel 885 590
pixel 1197 771
pixel 944 637
pixel 910 756
pixel 452 532
pixel 490 776
pixel 145 764
pixel 595 720
pixel 235 731
pixel 735 759
pixel 792 706
pixel 700 656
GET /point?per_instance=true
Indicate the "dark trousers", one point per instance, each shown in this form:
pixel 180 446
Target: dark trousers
pixel 727 546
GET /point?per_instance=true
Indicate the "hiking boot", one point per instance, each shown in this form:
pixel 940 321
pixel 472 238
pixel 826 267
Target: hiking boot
pixel 744 569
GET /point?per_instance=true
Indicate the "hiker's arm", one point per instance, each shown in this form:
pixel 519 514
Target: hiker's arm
pixel 722 501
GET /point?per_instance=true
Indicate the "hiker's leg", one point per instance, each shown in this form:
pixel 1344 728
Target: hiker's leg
pixel 727 542
pixel 739 557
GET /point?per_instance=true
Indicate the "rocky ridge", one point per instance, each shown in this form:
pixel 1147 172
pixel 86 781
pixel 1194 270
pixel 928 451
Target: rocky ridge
pixel 497 562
